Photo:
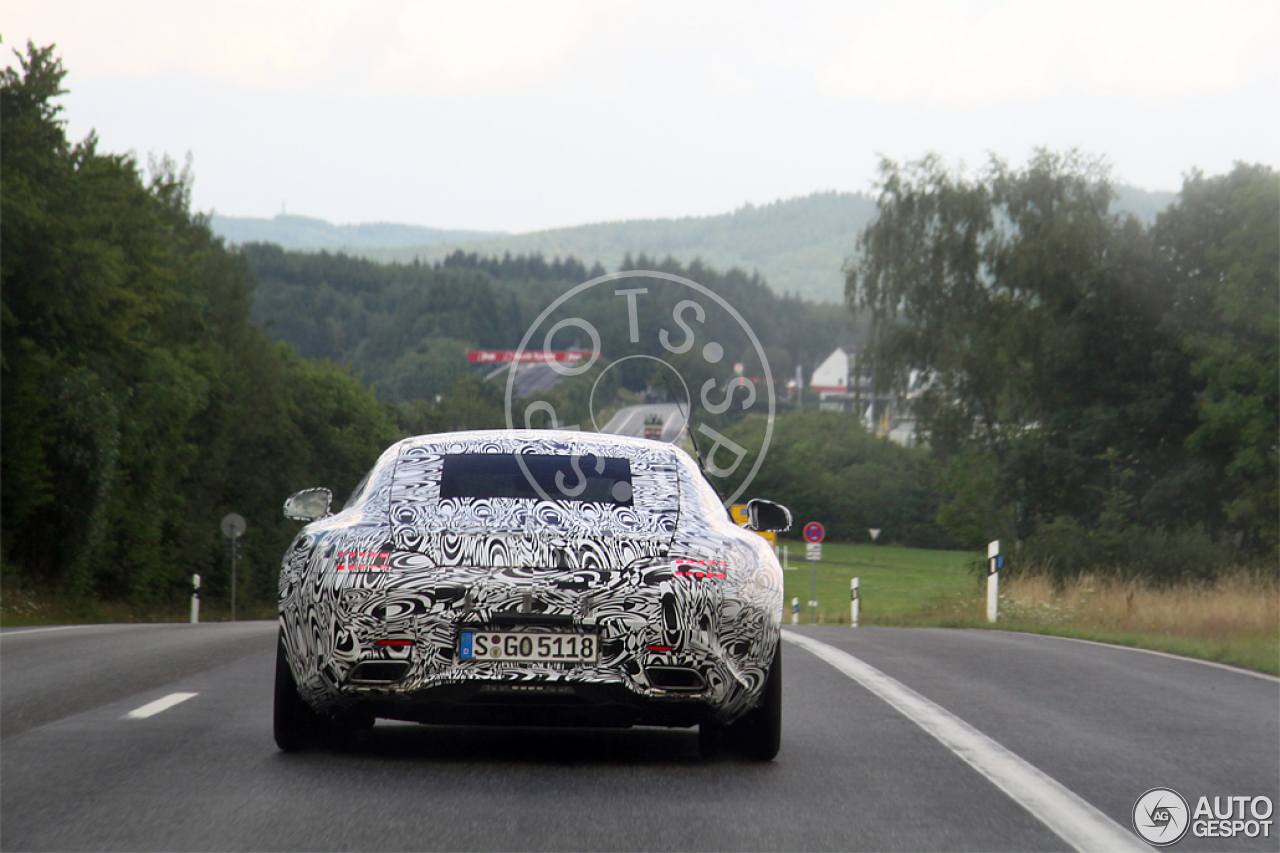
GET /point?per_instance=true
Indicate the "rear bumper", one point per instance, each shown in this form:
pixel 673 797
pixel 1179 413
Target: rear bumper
pixel 535 704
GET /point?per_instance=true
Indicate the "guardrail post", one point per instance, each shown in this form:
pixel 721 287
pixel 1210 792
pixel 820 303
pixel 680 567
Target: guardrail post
pixel 853 603
pixel 994 562
pixel 195 599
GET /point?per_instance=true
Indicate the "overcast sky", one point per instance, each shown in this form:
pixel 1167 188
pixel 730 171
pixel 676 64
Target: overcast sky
pixel 526 115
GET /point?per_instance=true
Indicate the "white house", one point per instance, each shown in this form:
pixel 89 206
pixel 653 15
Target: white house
pixel 842 386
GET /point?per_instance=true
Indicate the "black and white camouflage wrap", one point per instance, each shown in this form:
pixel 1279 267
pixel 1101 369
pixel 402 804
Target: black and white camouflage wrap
pixel 400 563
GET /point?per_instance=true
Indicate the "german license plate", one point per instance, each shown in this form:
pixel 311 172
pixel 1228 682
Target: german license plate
pixel 528 647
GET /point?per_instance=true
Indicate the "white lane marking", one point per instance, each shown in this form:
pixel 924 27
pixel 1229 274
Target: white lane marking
pixel 17 632
pixel 1070 817
pixel 1239 670
pixel 152 708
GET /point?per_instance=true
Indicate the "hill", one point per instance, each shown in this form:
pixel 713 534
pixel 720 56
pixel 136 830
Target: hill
pixel 797 245
pixel 305 232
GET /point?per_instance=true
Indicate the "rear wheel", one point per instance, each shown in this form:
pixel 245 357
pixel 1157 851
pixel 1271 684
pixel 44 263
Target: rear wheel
pixel 758 735
pixel 295 724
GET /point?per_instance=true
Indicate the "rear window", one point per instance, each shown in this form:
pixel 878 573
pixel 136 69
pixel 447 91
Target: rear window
pixel 592 479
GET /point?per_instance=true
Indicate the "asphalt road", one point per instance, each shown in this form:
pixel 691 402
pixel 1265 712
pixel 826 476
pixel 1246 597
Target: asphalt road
pixel 630 420
pixel 874 755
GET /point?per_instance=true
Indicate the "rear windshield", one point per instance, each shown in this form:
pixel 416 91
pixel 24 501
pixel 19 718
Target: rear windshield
pixel 593 479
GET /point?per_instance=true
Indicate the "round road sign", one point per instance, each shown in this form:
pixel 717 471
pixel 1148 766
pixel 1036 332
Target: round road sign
pixel 233 525
pixel 813 532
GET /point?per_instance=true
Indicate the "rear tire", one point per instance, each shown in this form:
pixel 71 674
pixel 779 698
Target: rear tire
pixel 295 724
pixel 758 735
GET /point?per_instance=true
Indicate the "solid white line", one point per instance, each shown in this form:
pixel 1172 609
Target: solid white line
pixel 1070 817
pixel 152 708
pixel 1239 670
pixel 17 632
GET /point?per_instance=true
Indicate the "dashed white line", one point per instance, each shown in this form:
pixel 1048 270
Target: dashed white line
pixel 1070 817
pixel 152 708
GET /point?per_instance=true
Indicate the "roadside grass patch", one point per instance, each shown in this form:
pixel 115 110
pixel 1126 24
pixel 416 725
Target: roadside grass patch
pixel 22 606
pixel 1235 620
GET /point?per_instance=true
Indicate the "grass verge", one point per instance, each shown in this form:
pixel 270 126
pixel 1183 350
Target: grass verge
pixel 1235 620
pixel 20 607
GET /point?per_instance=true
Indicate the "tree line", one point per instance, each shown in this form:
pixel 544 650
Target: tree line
pixel 1104 393
pixel 141 403
pixel 403 327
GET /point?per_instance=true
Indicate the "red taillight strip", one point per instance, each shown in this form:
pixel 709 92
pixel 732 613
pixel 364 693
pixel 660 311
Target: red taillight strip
pixel 363 561
pixel 399 644
pixel 660 648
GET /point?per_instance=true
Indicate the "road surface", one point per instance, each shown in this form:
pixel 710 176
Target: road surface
pixel 630 420
pixel 864 765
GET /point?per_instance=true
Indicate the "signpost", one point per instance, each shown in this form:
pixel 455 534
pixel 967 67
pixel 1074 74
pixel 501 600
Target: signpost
pixel 813 533
pixel 995 562
pixel 233 526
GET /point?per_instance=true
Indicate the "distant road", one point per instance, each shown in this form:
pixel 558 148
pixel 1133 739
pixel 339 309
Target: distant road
pixel 630 420
pixel 195 767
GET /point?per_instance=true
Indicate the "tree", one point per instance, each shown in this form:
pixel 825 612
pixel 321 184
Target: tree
pixel 1222 240
pixel 1040 317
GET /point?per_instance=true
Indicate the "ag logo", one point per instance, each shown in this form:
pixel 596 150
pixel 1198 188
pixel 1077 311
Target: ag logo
pixel 1161 817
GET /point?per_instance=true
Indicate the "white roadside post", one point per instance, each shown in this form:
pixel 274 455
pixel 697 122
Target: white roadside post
pixel 195 599
pixel 795 611
pixel 853 603
pixel 993 580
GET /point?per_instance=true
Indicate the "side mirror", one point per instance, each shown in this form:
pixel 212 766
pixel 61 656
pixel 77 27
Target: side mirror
pixel 308 504
pixel 766 516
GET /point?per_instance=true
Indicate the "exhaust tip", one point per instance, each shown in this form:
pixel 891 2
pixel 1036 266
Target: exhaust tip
pixel 379 672
pixel 680 678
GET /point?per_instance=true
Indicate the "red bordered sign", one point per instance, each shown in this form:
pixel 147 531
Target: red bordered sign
pixel 813 532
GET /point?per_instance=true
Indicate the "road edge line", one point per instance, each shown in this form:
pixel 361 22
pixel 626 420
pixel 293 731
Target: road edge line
pixel 1239 670
pixel 1065 813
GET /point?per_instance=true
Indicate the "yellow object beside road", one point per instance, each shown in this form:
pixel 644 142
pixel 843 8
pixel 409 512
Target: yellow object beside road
pixel 739 513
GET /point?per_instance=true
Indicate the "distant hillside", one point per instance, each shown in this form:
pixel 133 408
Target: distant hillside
pixel 304 232
pixel 798 245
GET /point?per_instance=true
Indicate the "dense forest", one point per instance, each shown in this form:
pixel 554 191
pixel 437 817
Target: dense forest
pixel 1103 393
pixel 404 327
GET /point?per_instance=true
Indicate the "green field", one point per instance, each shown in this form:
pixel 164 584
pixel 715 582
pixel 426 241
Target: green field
pixel 897 586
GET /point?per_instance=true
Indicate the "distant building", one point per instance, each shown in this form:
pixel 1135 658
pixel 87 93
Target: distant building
pixel 843 386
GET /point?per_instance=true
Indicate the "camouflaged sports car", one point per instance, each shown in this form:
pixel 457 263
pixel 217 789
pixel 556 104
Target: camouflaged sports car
pixel 531 578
